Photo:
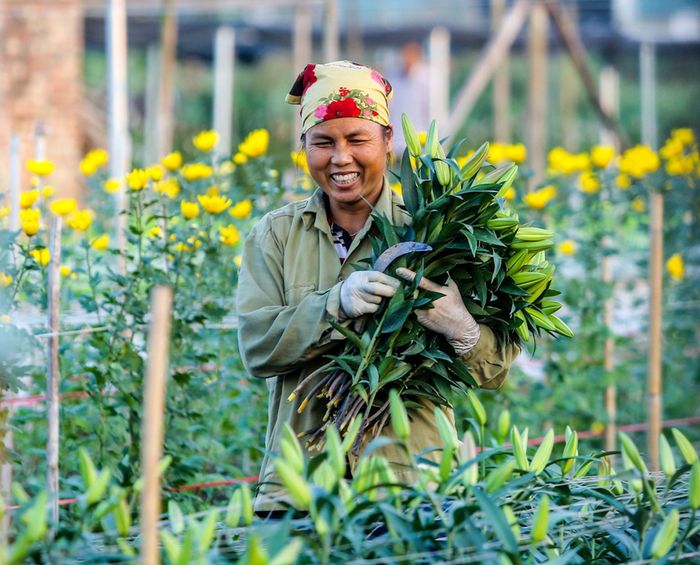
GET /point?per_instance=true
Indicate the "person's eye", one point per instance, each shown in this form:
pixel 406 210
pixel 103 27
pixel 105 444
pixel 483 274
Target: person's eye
pixel 358 141
pixel 321 144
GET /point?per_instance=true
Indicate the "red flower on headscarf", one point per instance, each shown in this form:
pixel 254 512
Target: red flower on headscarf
pixel 345 108
pixel 343 91
pixel 309 77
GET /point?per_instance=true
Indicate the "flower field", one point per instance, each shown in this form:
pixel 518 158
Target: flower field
pixel 185 221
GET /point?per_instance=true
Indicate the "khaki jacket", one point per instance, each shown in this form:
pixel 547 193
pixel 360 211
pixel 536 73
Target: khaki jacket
pixel 288 291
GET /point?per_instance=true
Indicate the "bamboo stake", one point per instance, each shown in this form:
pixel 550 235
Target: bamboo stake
pixel 331 41
pixel 224 60
pixel 15 180
pixel 656 221
pixel 609 364
pixel 501 81
pixel 6 447
pixel 150 118
pixel 54 374
pixel 166 98
pixel 118 116
pixel 439 70
pixel 494 52
pixel 610 100
pixel 537 91
pixel 655 353
pixel 152 426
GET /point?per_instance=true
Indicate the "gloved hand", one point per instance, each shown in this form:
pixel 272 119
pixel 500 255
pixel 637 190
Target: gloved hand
pixel 448 316
pixel 362 292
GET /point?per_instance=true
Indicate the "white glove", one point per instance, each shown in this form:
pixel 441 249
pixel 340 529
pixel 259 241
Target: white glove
pixel 448 316
pixel 362 292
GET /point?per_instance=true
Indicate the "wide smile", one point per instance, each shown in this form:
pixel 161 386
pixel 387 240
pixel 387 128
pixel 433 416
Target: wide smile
pixel 344 179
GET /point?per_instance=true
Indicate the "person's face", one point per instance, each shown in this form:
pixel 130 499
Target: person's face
pixel 347 158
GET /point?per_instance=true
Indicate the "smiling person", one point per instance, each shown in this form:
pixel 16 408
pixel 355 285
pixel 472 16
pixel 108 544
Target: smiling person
pixel 297 274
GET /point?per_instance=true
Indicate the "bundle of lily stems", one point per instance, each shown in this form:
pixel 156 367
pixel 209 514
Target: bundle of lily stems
pixel 477 240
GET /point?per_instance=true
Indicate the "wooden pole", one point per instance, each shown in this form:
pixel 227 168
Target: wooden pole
pixel 150 118
pixel 224 51
pixel 15 180
pixel 152 426
pixel 355 46
pixel 439 71
pixel 302 49
pixel 54 374
pixel 331 33
pixel 166 96
pixel 573 44
pixel 610 99
pixel 538 91
pixel 656 227
pixel 118 115
pixel 492 55
pixel 609 361
pixel 501 81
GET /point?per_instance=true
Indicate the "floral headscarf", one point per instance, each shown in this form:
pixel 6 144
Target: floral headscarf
pixel 340 90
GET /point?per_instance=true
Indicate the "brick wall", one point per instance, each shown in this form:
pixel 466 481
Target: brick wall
pixel 41 58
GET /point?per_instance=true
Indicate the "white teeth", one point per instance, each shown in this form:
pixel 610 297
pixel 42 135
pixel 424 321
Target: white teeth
pixel 346 178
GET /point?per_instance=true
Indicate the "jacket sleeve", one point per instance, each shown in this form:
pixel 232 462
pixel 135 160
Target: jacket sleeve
pixel 489 361
pixel 275 338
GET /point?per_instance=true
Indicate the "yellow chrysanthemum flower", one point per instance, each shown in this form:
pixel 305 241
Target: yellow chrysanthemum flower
pixel 101 243
pixel 238 259
pixel 602 155
pixel 40 167
pixel 170 187
pixel 214 203
pixel 242 209
pixel 63 206
pixel 299 160
pixel 27 198
pixel 93 160
pixel 47 192
pixel 639 161
pixel 510 194
pixel 538 199
pixel 196 171
pixel 112 185
pixel 497 152
pixel 516 153
pixel 679 166
pixel 623 181
pixel 181 247
pixel 189 210
pixel 137 179
pixel 5 280
pixel 41 256
pixel 684 135
pixel 205 140
pixel 156 232
pixel 675 267
pixel 589 182
pixel 172 161
pixel 638 204
pixel 567 247
pixel 65 270
pixel 30 221
pixel 240 158
pixel 194 242
pixel 4 212
pixel 255 144
pixel 229 235
pixel 155 172
pixel 80 220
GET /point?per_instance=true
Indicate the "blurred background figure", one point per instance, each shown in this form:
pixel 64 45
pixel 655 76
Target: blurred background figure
pixel 411 92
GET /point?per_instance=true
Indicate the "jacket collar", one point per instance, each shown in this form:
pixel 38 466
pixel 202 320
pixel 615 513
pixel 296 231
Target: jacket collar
pixel 315 214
